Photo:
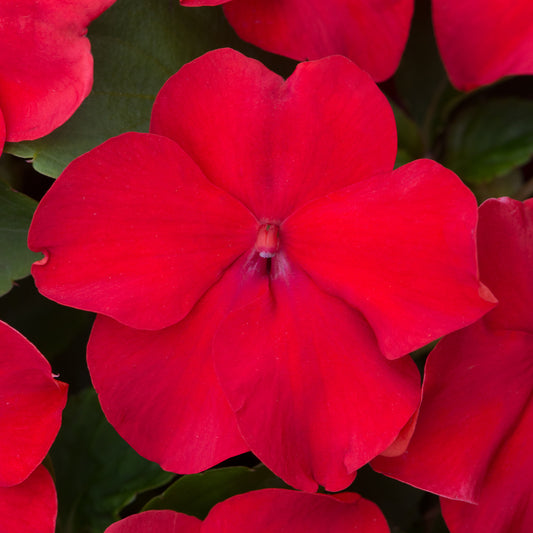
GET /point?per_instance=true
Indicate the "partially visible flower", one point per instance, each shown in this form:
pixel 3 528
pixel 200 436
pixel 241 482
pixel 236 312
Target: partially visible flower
pixel 31 403
pixel 46 66
pixel 372 34
pixel 260 270
pixel 265 511
pixel 475 430
pixel 481 41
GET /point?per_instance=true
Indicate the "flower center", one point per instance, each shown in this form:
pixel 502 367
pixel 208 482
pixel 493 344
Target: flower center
pixel 267 242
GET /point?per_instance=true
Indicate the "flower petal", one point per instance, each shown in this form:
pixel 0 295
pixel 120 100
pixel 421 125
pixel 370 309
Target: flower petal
pixel 159 390
pixel 313 396
pixel 476 386
pixel 156 521
pixel 372 33
pixel 31 403
pixel 268 510
pixel 505 504
pixel 194 3
pixel 31 506
pixel 277 145
pixel 133 230
pixel 399 247
pixel 2 132
pixel 505 246
pixel 46 63
pixel 481 41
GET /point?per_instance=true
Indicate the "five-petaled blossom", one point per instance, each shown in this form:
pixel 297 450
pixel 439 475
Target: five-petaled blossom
pixel 480 41
pixel 264 511
pixel 475 429
pixel 259 269
pixel 46 66
pixel 31 403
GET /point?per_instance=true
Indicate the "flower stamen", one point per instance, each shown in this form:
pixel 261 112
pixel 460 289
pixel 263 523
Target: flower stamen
pixel 267 242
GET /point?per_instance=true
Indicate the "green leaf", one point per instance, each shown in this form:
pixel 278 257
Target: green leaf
pixel 196 494
pixel 400 503
pixel 421 81
pixel 137 46
pixel 410 144
pixel 16 211
pixel 490 138
pixel 97 473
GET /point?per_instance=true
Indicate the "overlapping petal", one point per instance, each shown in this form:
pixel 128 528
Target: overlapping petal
pixel 505 238
pixel 481 41
pixel 476 384
pixel 264 511
pixel 31 506
pixel 159 389
pixel 157 522
pixel 31 403
pixel 313 396
pixel 400 247
pixel 504 504
pixel 371 33
pixel 146 235
pixel 268 142
pixel 268 510
pixel 46 67
pixel 475 425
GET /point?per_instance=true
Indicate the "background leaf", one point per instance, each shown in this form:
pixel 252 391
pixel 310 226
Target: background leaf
pixel 196 494
pixel 16 211
pixel 97 472
pixel 136 46
pixel 490 138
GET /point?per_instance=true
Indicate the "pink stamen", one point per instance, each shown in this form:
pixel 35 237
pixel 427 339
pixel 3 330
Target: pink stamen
pixel 267 242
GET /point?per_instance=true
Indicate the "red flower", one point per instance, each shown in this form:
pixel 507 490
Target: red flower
pixel 372 34
pixel 480 41
pixel 45 63
pixel 31 402
pixel 260 269
pixel 264 511
pixel 475 429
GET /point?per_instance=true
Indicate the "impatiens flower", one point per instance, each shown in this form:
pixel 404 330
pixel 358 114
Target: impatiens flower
pixel 31 403
pixel 264 511
pixel 480 41
pixel 46 67
pixel 475 429
pixel 372 34
pixel 260 270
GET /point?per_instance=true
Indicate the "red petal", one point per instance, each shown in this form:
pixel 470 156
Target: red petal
pixel 481 41
pixel 268 510
pixel 276 145
pixel 31 403
pixel 476 387
pixel 46 63
pixel 133 230
pixel 159 390
pixel 156 522
pixel 194 3
pixel 505 503
pixel 313 396
pixel 505 238
pixel 399 247
pixel 372 33
pixel 31 506
pixel 2 132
